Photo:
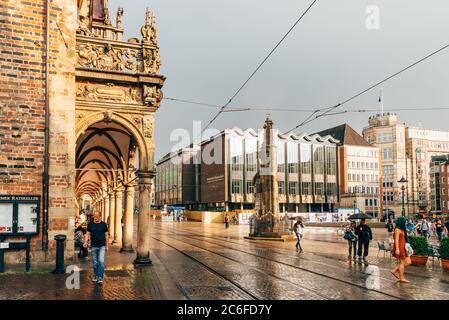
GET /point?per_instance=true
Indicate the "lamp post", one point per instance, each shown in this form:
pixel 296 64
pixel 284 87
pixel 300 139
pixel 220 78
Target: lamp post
pixel 403 181
pixel 354 204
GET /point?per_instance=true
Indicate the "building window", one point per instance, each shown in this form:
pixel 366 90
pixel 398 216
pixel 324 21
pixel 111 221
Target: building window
pixel 331 161
pixel 306 163
pixel 249 187
pixel 331 189
pixel 318 159
pixel 388 197
pixel 387 153
pixel 292 157
pixel 306 188
pixel 293 188
pixel 236 146
pixel 384 137
pixel 319 188
pixel 236 186
pixel 387 170
pixel 281 187
pixel 281 157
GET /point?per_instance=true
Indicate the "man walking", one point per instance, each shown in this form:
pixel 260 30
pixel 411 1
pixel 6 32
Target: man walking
pixel 439 229
pixel 425 229
pixel 97 235
pixel 365 235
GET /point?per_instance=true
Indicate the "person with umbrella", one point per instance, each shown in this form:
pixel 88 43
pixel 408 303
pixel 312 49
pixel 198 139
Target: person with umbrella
pixel 364 234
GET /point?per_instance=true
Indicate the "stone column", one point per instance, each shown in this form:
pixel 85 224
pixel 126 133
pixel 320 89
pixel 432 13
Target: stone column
pixel 101 208
pixel 118 216
pixel 128 219
pixel 106 208
pixel 143 227
pixel 111 215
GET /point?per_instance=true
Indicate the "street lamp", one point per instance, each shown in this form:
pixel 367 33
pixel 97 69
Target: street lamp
pixel 403 181
pixel 354 204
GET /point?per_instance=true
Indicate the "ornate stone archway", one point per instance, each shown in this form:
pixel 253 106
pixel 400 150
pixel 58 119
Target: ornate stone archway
pixel 118 91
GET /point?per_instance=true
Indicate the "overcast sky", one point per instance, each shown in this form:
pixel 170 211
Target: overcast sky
pixel 209 48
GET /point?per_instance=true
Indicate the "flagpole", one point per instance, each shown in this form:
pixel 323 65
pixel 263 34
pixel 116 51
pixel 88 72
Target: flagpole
pixel 381 98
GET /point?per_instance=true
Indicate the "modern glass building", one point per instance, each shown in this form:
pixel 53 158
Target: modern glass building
pixel 306 168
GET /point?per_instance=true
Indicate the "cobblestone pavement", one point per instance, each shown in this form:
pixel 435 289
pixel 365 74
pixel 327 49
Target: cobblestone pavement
pixel 196 261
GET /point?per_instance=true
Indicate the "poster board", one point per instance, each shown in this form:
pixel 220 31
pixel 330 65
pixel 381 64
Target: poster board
pixel 19 215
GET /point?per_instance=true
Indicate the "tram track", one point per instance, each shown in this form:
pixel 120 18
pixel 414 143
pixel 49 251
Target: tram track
pixel 246 291
pixel 278 250
pixel 282 251
pixel 171 233
pixel 213 271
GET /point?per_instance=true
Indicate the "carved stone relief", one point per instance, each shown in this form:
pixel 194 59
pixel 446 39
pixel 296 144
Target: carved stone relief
pixel 152 95
pixel 107 57
pixel 108 93
pixel 148 128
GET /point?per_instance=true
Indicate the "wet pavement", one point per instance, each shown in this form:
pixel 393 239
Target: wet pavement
pixel 197 261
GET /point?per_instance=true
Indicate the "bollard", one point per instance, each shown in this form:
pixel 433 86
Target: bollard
pixel 60 254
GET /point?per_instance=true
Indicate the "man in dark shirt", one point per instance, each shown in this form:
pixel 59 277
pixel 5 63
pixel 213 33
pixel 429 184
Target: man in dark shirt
pixel 364 234
pixel 97 234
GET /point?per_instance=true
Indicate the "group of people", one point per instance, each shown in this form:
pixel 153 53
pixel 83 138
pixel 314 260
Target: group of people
pixel 358 237
pixel 426 228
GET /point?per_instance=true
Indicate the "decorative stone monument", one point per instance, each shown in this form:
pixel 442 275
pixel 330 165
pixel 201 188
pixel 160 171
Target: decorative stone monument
pixel 265 225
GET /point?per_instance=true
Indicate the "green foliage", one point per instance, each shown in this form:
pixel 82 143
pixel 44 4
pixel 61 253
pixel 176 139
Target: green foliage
pixel 444 249
pixel 420 246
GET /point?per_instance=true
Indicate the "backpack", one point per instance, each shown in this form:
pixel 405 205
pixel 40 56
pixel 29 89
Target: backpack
pixel 348 235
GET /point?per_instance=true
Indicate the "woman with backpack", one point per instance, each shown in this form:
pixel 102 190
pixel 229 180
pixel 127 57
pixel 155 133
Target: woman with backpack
pixel 401 249
pixel 352 239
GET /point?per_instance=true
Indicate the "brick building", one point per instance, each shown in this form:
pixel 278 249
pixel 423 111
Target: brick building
pixel 28 92
pixel 77 107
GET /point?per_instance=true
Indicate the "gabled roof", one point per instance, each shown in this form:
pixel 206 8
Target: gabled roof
pixel 346 135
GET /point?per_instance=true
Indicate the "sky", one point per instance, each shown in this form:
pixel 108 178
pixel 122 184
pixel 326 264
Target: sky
pixel 210 47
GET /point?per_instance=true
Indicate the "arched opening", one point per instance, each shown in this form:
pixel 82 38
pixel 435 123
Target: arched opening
pixel 107 163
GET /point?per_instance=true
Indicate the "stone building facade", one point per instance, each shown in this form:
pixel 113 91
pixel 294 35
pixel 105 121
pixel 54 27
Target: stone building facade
pixel 77 106
pixel 406 152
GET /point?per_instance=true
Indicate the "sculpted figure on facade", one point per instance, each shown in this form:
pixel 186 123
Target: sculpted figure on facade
pixel 146 30
pixel 148 128
pixel 156 65
pixel 119 21
pixel 152 95
pixel 154 34
pixel 107 57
